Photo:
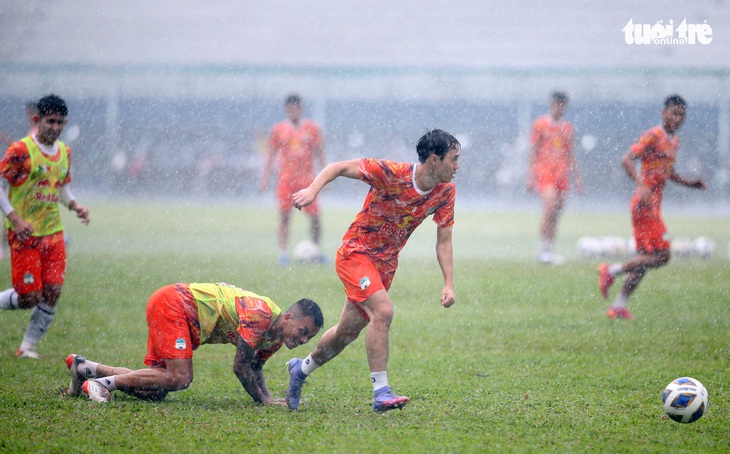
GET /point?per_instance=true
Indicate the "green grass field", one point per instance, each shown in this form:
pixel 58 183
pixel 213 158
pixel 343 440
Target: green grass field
pixel 525 361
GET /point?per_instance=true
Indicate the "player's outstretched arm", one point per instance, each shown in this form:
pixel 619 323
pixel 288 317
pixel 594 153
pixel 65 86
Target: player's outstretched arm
pixel 349 169
pixel 445 256
pixel 243 368
pixel 695 184
pixel 81 211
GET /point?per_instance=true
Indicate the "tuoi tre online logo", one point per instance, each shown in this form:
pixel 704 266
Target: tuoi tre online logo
pixel 667 34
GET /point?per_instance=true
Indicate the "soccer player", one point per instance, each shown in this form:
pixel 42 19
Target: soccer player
pixel 656 150
pixel 37 169
pixel 296 144
pixel 401 196
pixel 180 318
pixel 551 162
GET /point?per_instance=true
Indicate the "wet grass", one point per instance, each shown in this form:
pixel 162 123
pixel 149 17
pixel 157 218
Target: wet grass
pixel 526 360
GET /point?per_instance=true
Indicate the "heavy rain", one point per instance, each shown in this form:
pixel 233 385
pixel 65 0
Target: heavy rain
pixel 171 105
pixel 172 100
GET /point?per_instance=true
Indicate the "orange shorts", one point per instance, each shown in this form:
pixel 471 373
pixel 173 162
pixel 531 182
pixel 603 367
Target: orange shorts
pixel 284 194
pixel 361 278
pixel 37 261
pixel 650 233
pixel 548 180
pixel 171 336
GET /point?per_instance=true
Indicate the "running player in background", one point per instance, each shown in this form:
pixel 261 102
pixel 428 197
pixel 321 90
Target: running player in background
pixel 37 169
pixel 180 318
pixel 31 117
pixel 656 150
pixel 551 162
pixel 401 196
pixel 294 145
pixel 31 114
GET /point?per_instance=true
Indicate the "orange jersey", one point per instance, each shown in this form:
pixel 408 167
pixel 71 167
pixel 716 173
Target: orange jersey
pixel 393 209
pixel 295 147
pixel 657 151
pixel 553 141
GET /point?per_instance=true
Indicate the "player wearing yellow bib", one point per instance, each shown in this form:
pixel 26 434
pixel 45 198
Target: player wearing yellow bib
pixel 180 318
pixel 37 170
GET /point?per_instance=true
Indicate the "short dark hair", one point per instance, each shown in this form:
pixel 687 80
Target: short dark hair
pixel 293 99
pixel 559 96
pixel 674 100
pixel 52 104
pixel 435 141
pixel 308 308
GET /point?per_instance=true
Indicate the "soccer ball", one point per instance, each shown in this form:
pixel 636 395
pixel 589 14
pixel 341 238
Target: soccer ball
pixel 306 252
pixel 685 400
pixel 589 247
pixel 704 247
pixel 682 247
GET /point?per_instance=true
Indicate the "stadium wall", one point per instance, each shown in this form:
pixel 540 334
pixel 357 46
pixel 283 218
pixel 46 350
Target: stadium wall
pixel 192 129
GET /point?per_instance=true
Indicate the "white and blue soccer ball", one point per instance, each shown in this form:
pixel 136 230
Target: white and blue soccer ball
pixel 306 252
pixel 685 400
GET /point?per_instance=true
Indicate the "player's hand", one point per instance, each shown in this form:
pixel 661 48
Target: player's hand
pixel 447 297
pixel 698 184
pixel 579 186
pixel 303 198
pixel 22 228
pixel 530 185
pixel 263 185
pixel 82 213
pixel 276 402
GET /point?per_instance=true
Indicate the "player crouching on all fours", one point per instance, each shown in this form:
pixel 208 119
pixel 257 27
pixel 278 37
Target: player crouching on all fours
pixel 180 318
pixel 657 151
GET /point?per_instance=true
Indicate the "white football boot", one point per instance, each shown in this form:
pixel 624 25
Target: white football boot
pixel 96 391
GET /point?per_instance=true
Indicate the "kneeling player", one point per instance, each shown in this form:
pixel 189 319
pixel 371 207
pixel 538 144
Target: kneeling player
pixel 180 318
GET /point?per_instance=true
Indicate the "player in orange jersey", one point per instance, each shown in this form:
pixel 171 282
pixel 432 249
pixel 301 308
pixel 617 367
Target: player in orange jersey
pixel 180 318
pixel 656 150
pixel 551 162
pixel 37 169
pixel 400 198
pixel 294 144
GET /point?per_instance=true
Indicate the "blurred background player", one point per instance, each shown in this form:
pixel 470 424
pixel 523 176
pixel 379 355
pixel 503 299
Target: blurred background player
pixel 31 112
pixel 31 117
pixel 401 197
pixel 180 318
pixel 551 162
pixel 656 151
pixel 37 169
pixel 294 146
